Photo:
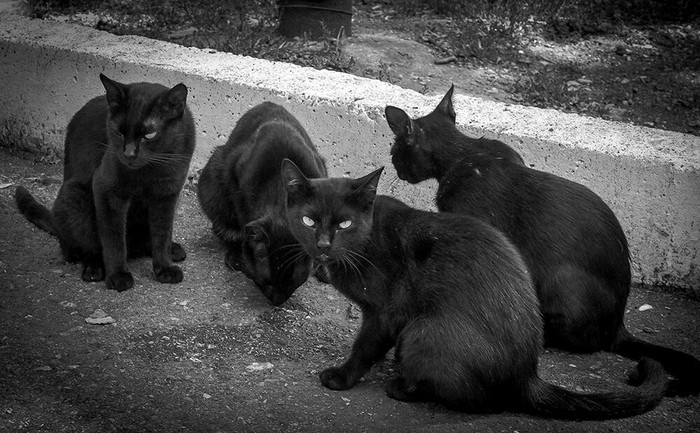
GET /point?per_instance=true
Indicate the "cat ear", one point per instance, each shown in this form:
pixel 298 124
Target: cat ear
pixel 365 189
pixel 295 183
pixel 398 120
pixel 116 92
pixel 256 232
pixel 173 104
pixel 445 106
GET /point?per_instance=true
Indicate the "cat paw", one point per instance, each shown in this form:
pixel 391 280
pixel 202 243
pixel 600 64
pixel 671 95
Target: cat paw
pixel 335 378
pixel 396 389
pixel 177 252
pixel 171 274
pixel 233 261
pixel 93 272
pixel 274 295
pixel 120 281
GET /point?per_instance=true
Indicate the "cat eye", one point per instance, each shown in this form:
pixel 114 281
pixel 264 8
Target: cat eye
pixel 308 222
pixel 345 224
pixel 150 135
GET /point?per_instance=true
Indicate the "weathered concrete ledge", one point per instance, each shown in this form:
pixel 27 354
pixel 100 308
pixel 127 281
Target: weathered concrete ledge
pixel 649 177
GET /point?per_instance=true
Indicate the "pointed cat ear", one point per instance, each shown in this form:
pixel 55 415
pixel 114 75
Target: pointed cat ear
pixel 296 184
pixel 256 232
pixel 445 106
pixel 365 189
pixel 173 103
pixel 116 92
pixel 398 120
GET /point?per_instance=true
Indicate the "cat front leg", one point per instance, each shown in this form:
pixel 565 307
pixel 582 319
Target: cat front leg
pixel 371 344
pixel 161 211
pixel 111 213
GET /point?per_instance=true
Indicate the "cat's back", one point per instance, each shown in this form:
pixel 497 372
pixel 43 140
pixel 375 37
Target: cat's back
pixel 552 219
pixel 251 121
pixel 86 139
pixel 457 263
pixel 457 240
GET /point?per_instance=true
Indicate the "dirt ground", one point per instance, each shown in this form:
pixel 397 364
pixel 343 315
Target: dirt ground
pixel 211 355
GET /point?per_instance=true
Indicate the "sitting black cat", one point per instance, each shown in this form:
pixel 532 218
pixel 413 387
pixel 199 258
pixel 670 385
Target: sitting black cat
pixel 126 159
pixel 450 292
pixel 241 192
pixel 570 239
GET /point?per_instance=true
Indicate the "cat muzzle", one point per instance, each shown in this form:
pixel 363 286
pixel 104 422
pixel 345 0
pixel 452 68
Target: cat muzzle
pixel 130 151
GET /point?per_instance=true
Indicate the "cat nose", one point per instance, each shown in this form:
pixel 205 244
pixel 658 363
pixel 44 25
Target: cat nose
pixel 130 151
pixel 323 243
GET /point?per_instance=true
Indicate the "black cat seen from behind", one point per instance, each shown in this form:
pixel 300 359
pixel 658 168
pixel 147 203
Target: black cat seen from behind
pixel 241 191
pixel 570 240
pixel 126 159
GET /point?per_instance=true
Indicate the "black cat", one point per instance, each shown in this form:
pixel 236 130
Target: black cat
pixel 450 292
pixel 570 239
pixel 241 191
pixel 127 155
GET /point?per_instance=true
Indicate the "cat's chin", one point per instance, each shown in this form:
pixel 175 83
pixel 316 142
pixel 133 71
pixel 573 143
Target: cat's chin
pixel 407 178
pixel 133 164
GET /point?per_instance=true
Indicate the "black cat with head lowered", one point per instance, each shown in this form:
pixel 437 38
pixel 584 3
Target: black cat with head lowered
pixel 241 191
pixel 570 240
pixel 450 292
pixel 127 155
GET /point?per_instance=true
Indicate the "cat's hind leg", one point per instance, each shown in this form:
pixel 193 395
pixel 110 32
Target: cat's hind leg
pixel 582 312
pixel 177 252
pixel 74 218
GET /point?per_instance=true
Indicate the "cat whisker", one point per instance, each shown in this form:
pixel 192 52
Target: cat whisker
pixel 294 257
pixel 292 260
pixel 359 256
pixel 394 182
pixel 348 259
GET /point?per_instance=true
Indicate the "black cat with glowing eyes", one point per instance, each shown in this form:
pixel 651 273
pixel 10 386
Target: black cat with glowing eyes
pixel 450 292
pixel 127 156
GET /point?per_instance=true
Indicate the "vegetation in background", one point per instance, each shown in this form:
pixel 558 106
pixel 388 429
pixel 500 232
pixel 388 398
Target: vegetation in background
pixel 629 60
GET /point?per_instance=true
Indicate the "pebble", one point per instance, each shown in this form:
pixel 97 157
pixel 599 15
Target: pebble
pixel 99 317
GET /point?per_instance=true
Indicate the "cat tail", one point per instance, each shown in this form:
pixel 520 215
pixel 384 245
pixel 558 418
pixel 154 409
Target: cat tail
pixel 545 399
pixel 683 366
pixel 34 211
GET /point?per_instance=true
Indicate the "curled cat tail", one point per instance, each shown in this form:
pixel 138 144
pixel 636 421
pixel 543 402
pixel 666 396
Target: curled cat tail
pixel 683 366
pixel 544 399
pixel 34 211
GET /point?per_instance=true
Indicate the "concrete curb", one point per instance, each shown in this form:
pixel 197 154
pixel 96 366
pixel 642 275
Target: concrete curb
pixel 649 177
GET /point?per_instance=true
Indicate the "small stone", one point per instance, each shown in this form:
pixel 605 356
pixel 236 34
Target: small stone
pixel 259 366
pixel 99 317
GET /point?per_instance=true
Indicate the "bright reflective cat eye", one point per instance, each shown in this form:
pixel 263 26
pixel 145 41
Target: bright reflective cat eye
pixel 345 224
pixel 308 222
pixel 150 135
